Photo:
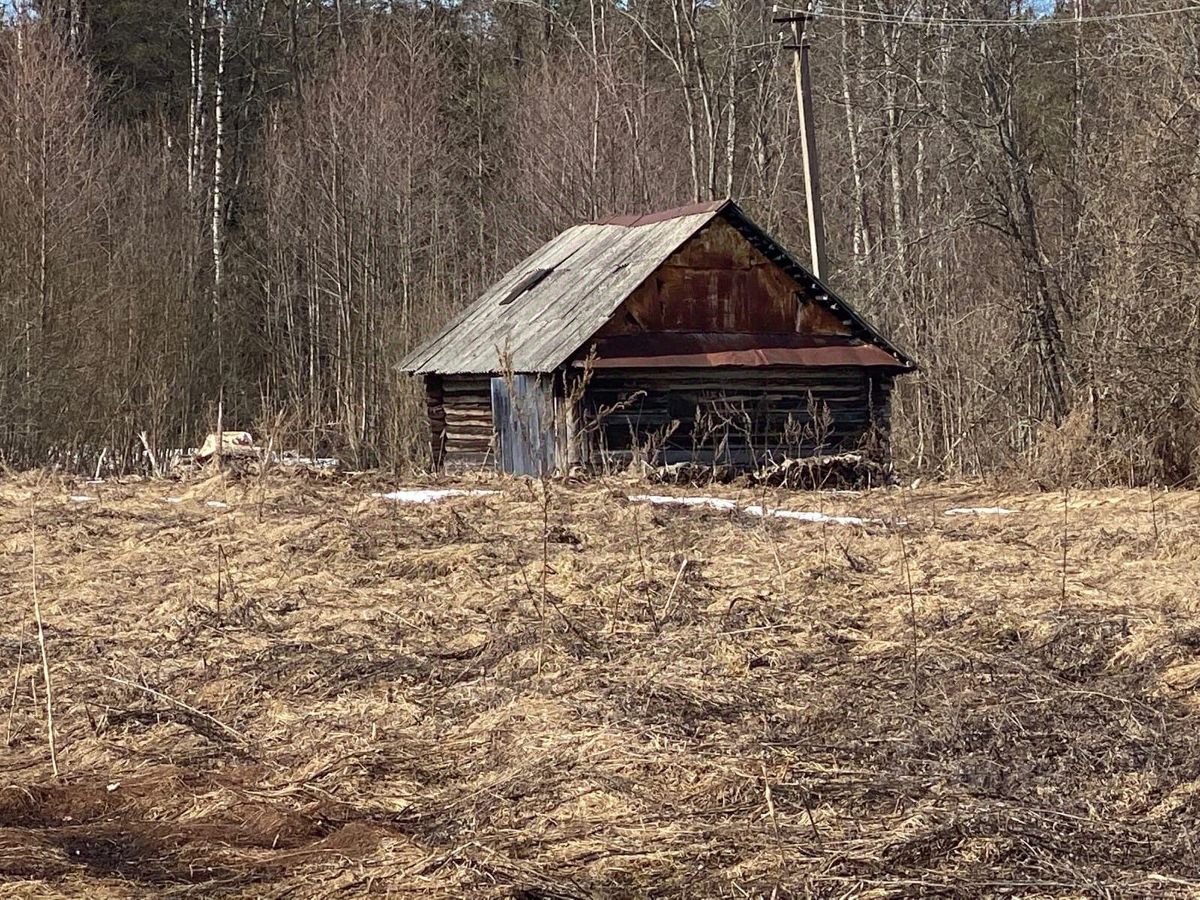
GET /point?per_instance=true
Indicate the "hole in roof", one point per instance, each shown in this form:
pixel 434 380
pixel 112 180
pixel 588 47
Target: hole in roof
pixel 528 282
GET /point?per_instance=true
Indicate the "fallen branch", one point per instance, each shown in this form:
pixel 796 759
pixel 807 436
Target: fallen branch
pixel 233 732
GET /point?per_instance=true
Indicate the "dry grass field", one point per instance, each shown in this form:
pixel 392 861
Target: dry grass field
pixel 288 687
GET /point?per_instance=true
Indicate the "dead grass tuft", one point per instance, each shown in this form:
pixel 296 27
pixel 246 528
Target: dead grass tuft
pixel 306 691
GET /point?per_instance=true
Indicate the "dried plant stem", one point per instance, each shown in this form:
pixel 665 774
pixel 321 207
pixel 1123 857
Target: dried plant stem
pixel 778 562
pixel 12 703
pixel 1062 595
pixel 150 455
pixel 264 465
pixel 812 820
pixel 1154 516
pixel 671 593
pixel 766 530
pixel 774 819
pixel 525 578
pixel 824 537
pixel 637 534
pixel 912 615
pixel 220 429
pixel 545 539
pixel 41 634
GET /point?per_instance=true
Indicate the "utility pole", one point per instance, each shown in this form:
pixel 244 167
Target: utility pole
pixel 808 137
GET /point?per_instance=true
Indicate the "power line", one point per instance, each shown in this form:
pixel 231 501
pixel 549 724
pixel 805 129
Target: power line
pixel 876 17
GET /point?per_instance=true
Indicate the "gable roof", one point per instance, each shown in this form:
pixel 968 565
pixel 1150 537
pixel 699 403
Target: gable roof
pixel 545 309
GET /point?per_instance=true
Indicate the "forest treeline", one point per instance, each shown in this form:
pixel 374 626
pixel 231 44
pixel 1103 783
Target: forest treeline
pixel 260 205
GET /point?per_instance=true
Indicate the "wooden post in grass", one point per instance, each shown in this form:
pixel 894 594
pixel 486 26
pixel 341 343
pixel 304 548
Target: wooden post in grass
pixel 796 20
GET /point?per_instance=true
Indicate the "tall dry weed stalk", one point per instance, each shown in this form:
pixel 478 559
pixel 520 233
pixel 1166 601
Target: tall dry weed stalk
pixel 770 536
pixel 12 702
pixel 144 438
pixel 41 635
pixel 901 524
pixel 668 606
pixel 1154 516
pixel 637 540
pixel 770 799
pixel 545 483
pixel 1062 586
pixel 264 465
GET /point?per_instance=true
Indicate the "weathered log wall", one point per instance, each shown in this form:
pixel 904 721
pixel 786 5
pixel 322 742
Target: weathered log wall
pixel 735 417
pixel 460 419
pixel 738 417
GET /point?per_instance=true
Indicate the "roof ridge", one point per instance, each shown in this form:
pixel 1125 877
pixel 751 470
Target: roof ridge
pixel 692 209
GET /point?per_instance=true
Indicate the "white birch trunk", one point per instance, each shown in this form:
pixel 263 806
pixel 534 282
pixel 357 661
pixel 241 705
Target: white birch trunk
pixel 862 239
pixel 197 22
pixel 218 209
pixel 891 103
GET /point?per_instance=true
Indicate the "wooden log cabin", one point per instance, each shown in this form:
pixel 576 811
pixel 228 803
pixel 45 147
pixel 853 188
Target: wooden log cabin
pixel 683 336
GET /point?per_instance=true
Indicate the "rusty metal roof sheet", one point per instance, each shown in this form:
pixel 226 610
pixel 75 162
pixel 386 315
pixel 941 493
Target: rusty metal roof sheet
pixel 530 322
pixel 703 350
pixel 810 357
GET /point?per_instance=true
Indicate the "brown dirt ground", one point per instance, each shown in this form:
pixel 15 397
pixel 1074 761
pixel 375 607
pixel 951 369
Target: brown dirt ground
pixel 320 693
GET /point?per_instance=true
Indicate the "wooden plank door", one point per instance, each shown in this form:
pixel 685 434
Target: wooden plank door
pixel 523 415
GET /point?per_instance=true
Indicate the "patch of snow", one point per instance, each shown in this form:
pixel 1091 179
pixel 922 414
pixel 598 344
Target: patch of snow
pixel 419 495
pixel 320 462
pixel 80 498
pixel 172 499
pixel 216 504
pixel 710 502
pixel 755 510
pixel 979 511
pixel 807 516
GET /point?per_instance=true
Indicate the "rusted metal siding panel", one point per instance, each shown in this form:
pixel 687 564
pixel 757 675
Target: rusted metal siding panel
pixel 816 289
pixel 669 350
pixel 758 357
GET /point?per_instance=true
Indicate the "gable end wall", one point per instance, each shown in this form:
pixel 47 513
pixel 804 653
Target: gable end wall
pixel 718 282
